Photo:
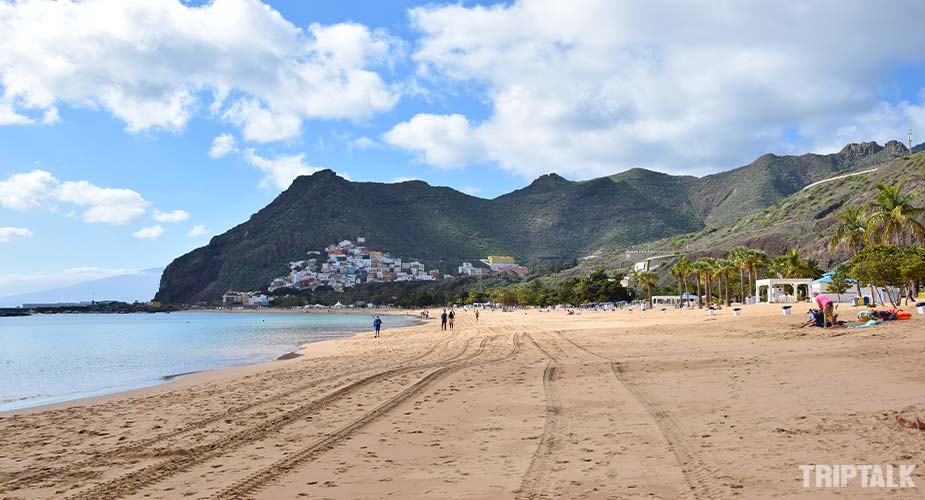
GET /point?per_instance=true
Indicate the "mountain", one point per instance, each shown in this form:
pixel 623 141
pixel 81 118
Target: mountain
pixel 552 218
pixel 140 286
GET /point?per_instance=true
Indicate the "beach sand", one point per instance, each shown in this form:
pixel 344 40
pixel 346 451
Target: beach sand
pixel 521 405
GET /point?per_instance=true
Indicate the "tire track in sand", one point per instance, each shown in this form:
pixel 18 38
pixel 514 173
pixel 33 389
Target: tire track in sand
pixel 134 481
pixel 246 487
pixel 701 478
pixel 103 459
pixel 535 481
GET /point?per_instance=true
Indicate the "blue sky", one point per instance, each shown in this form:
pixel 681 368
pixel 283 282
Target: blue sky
pixel 132 132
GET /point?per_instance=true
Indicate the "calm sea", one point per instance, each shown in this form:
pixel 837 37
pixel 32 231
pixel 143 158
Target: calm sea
pixel 58 357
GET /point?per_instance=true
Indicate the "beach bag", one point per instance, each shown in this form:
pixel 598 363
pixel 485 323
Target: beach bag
pixel 817 317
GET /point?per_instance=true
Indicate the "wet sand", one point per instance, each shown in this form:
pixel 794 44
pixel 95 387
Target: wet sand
pixel 520 405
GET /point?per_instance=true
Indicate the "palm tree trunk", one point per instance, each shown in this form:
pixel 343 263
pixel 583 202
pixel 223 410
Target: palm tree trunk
pixel 728 298
pixel 751 283
pixel 741 286
pixel 699 298
pixel 709 291
pixel 649 288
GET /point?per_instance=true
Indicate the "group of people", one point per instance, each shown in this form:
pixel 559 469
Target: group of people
pixel 447 319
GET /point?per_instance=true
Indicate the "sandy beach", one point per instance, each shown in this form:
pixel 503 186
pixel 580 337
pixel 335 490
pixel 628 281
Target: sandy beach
pixel 519 405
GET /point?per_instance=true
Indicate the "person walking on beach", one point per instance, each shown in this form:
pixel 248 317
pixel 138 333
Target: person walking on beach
pixel 377 325
pixel 443 320
pixel 476 315
pixel 452 317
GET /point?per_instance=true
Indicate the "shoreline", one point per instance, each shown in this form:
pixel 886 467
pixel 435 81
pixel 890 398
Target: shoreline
pixel 329 310
pixel 148 387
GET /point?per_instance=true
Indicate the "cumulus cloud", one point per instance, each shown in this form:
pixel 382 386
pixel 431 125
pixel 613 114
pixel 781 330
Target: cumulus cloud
pixel 222 145
pixel 198 230
pixel 149 233
pixel 175 216
pixel 591 87
pixel 39 188
pixel 27 191
pixel 151 63
pixel 440 140
pixel 10 233
pixel 281 170
pixel 261 124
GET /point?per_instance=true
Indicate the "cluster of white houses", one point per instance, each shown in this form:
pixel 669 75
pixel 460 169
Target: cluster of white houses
pixel 252 299
pixel 495 263
pixel 349 264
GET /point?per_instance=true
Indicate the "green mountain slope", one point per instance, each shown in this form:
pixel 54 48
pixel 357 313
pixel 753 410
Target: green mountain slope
pixel 551 218
pixel 806 219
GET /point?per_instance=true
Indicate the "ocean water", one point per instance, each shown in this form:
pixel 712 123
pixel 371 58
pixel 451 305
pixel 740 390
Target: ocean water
pixel 59 357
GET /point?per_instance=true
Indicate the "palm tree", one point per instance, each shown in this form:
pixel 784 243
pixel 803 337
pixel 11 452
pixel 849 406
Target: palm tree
pixel 633 277
pixel 738 257
pixel 791 265
pixel 851 231
pixel 754 260
pixel 894 216
pixel 648 279
pixel 706 271
pixel 680 271
pixel 699 268
pixel 725 268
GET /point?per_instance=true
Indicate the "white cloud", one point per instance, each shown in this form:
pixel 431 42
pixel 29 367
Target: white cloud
pixel 175 216
pixel 261 124
pixel 7 234
pixel 281 170
pixel 396 180
pixel 150 63
pixel 198 230
pixel 362 143
pixel 440 140
pixel 106 205
pixel 39 188
pixel 149 233
pixel 27 191
pixel 8 116
pixel 591 87
pixel 222 145
pixel 471 190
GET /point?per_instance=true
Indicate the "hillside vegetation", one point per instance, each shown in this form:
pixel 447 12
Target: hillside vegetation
pixel 806 219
